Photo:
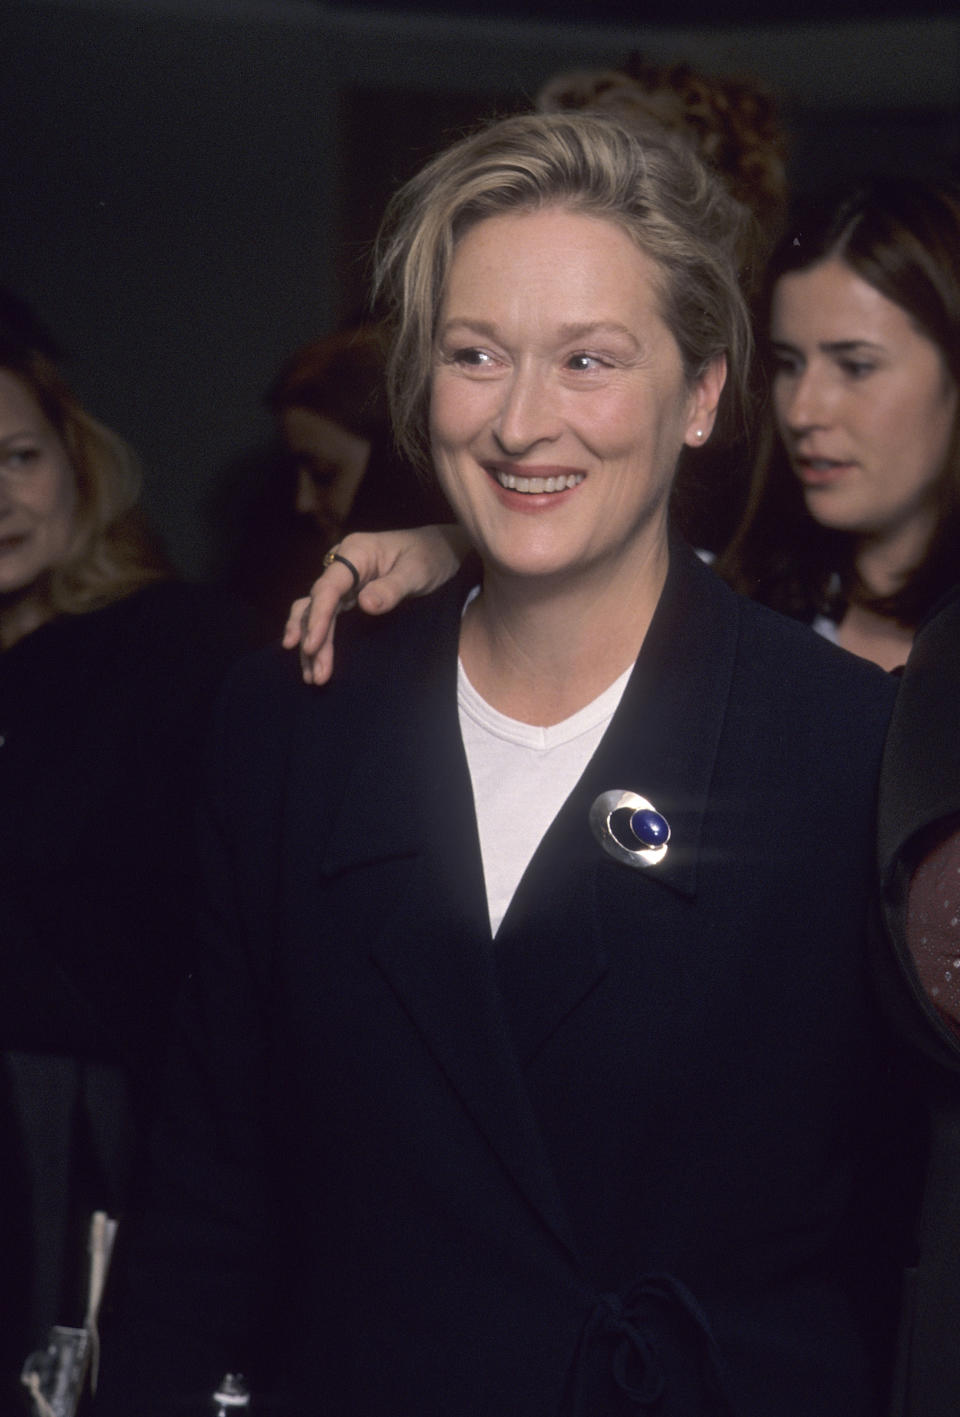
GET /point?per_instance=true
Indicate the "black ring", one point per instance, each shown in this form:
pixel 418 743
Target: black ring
pixel 334 555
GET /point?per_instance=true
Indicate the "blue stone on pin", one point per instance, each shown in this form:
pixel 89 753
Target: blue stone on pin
pixel 649 827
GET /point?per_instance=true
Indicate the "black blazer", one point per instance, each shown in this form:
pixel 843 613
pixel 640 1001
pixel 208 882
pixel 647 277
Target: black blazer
pixel 920 787
pixel 627 1152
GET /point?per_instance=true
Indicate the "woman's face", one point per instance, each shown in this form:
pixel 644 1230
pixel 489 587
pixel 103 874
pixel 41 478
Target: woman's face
pixel 864 404
pixel 38 494
pixel 330 463
pixel 559 403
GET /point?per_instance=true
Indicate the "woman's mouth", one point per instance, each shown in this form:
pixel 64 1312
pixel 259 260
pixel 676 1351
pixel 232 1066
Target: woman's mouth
pixel 535 484
pixel 819 472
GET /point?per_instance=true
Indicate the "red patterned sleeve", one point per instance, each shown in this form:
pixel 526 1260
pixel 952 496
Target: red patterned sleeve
pixel 933 925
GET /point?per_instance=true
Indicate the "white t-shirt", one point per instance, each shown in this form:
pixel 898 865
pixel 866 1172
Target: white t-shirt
pixel 521 777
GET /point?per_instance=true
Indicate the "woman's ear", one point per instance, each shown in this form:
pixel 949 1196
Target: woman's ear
pixel 704 400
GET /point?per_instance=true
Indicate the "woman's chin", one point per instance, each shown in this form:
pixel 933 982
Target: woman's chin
pixel 830 509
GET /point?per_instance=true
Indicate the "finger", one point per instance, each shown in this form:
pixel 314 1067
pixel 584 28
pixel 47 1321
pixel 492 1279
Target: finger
pixel 329 595
pixel 316 664
pixel 293 629
pixel 387 591
pixel 318 667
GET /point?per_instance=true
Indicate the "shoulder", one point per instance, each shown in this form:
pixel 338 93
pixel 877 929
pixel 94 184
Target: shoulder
pixel 165 644
pixel 939 635
pixel 171 644
pixel 795 706
pixel 930 682
pixel 156 622
pixel 189 614
pixel 281 753
pixel 785 660
pixel 385 665
pixel 779 638
pixel 834 706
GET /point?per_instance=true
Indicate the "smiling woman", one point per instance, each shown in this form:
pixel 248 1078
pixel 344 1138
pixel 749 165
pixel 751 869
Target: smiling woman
pixel 854 514
pixel 70 537
pixel 520 1073
pixel 559 407
pixel 39 497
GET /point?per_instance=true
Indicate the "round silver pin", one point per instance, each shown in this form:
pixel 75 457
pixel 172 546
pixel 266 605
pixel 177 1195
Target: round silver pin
pixel 629 828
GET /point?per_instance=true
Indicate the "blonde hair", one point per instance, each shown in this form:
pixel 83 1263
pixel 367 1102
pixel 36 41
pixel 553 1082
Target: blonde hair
pixel 111 553
pixel 653 187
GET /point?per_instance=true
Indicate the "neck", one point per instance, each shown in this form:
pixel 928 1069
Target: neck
pixel 883 563
pixel 875 637
pixel 539 652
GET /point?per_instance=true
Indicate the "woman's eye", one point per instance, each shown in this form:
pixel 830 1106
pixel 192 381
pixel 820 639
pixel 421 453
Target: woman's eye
pixel 473 358
pixel 785 364
pixel 857 368
pixel 584 363
pixel 20 459
pixel 321 472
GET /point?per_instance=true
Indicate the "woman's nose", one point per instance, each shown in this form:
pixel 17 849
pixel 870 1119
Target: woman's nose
pixel 527 415
pixel 804 401
pixel 306 500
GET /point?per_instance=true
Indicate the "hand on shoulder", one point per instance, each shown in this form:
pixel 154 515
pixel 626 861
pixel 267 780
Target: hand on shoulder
pixel 390 566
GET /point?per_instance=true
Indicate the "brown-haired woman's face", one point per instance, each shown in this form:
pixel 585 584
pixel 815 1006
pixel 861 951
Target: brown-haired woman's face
pixel 330 464
pixel 864 404
pixel 38 492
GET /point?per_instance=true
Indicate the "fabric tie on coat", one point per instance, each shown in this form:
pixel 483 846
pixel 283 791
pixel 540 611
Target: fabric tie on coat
pixel 636 1367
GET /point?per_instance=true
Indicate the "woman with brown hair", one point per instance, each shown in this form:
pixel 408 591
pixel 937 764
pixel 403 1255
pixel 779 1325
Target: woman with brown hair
pixel 334 469
pixel 853 520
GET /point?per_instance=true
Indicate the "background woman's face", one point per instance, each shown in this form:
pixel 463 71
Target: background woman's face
pixel 559 402
pixel 864 404
pixel 330 464
pixel 38 494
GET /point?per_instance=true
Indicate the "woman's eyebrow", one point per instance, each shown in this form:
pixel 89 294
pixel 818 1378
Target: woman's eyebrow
pixel 847 346
pixel 466 323
pixel 573 331
pixel 835 346
pixel 597 327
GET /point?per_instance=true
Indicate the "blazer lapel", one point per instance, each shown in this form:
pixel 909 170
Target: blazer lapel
pixel 664 738
pixel 434 948
pixel 662 744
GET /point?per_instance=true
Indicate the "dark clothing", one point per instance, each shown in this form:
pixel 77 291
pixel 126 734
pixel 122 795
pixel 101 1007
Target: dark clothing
pixel 919 799
pixel 629 1148
pixel 101 719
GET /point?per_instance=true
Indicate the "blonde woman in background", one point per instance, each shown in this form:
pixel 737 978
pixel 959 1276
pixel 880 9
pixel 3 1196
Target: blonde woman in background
pixel 107 665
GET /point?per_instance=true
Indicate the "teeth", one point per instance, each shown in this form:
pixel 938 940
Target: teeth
pixel 531 485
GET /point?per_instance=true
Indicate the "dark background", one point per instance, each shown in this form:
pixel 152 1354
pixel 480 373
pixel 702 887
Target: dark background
pixel 188 187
